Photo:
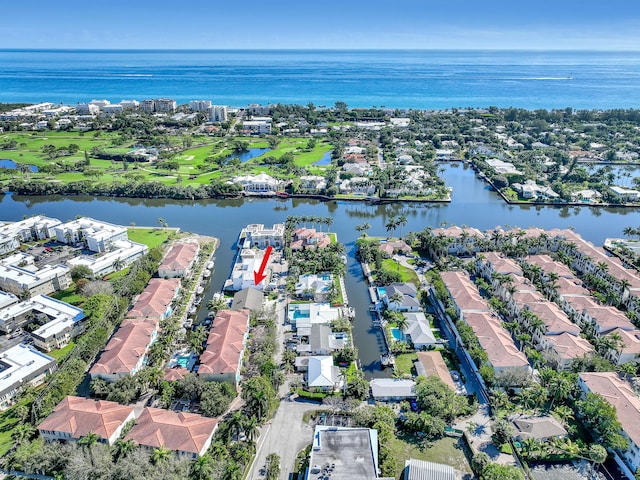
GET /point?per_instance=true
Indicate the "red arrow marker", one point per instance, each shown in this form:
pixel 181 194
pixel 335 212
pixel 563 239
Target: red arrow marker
pixel 259 275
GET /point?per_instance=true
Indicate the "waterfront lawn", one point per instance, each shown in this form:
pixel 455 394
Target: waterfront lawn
pixel 407 274
pixel 404 362
pixel 446 450
pixel 151 237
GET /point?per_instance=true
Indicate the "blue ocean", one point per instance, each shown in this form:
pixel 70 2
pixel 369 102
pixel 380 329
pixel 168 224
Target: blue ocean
pixel 363 78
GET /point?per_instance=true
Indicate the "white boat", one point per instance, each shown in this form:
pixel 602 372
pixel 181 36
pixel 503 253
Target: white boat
pixel 200 290
pixel 197 301
pixel 206 274
pixel 209 265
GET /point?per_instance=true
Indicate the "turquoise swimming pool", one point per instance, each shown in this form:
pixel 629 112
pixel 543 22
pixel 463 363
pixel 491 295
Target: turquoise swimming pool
pixel 397 334
pixel 299 311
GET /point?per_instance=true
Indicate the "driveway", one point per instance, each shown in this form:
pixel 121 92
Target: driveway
pixel 286 434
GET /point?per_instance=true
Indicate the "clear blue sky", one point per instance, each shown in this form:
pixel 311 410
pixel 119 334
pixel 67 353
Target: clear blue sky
pixel 252 24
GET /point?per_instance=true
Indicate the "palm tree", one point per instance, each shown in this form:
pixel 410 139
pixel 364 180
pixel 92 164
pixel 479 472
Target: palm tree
pixel 22 432
pixel 251 429
pixel 402 221
pixel 160 221
pixel 396 298
pixel 122 448
pixel 159 454
pixel 391 224
pixel 362 227
pixel 402 323
pixel 202 468
pixel 236 424
pixel 89 440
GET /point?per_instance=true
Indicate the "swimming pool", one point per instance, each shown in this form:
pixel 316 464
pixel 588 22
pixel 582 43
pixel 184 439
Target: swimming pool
pixel 300 311
pixel 397 334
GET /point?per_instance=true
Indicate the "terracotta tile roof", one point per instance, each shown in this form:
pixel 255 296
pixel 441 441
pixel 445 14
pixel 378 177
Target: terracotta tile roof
pixel 181 432
pixel 502 264
pixel 309 238
pixel 155 298
pixel 173 374
pixel 125 348
pixel 630 340
pixel 180 256
pixel 548 264
pixel 554 319
pixel 569 346
pixel 608 318
pixel 571 287
pixel 463 291
pixel 433 364
pixel 455 231
pixel 495 340
pixel 619 394
pixel 79 416
pixel 225 343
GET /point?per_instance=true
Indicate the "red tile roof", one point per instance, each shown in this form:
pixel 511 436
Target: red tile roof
pixel 569 346
pixel 495 340
pixel 125 348
pixel 155 298
pixel 181 432
pixel 619 394
pixel 79 416
pixel 434 364
pixel 173 374
pixel 225 343
pixel 180 256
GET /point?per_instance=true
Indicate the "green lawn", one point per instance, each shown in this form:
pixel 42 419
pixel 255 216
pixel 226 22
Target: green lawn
pixel 151 237
pixel 7 423
pixel 406 274
pixel 69 296
pixel 60 353
pixel 404 362
pixel 446 450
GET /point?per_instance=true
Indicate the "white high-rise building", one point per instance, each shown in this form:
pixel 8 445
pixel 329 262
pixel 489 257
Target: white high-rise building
pixel 218 113
pixel 200 105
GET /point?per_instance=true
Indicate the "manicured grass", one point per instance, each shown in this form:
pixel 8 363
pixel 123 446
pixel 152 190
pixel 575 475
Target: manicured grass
pixel 404 362
pixel 446 450
pixel 407 275
pixel 62 352
pixel 151 237
pixel 69 296
pixel 333 237
pixel 7 424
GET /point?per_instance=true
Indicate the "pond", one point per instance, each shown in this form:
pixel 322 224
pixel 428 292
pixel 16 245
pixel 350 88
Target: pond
pixel 11 165
pixel 248 154
pixel 324 161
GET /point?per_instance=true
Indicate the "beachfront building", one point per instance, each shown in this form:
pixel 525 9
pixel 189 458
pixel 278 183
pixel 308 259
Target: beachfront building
pixel 126 352
pixel 22 366
pixel 259 236
pixel 179 260
pixel 76 417
pixel 187 434
pixel 221 360
pixel 620 395
pixel 260 183
pixel 200 105
pixel 218 113
pixel 20 275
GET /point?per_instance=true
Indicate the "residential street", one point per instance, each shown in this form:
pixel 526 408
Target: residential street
pixel 286 434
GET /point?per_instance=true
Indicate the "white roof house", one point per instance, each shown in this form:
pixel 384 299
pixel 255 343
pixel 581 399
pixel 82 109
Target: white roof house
pixel 261 183
pixel 38 227
pixel 419 330
pixel 322 373
pixel 312 285
pixel 392 389
pixel 303 315
pixel 19 273
pixel 18 314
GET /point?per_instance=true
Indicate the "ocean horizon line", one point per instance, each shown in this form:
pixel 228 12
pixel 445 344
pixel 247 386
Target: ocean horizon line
pixel 321 50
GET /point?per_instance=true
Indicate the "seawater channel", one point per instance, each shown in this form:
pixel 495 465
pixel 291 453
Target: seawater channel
pixel 473 204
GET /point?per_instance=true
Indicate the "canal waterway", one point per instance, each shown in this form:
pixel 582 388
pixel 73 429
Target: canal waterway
pixel 473 204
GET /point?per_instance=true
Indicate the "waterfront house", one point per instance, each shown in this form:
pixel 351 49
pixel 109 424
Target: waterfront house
pixel 221 360
pixel 249 298
pixel 321 340
pixel 261 183
pixel 418 330
pixel 179 260
pixel 155 301
pixel 314 287
pixel 126 352
pixel 308 239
